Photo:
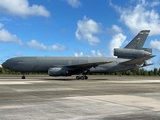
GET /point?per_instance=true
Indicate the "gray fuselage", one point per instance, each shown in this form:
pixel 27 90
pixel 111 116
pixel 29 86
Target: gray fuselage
pixel 43 64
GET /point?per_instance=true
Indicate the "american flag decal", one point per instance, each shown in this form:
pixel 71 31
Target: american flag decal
pixel 138 38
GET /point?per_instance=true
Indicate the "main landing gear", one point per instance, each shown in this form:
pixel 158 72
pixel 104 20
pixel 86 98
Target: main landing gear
pixel 23 76
pixel 81 77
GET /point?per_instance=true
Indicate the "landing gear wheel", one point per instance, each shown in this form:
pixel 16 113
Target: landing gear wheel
pixel 86 77
pixel 23 77
pixel 77 77
pixel 82 77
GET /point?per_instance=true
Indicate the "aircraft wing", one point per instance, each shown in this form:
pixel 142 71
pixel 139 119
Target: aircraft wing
pixel 139 60
pixel 94 64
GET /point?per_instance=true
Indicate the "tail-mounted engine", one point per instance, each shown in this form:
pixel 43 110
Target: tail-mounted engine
pixel 132 53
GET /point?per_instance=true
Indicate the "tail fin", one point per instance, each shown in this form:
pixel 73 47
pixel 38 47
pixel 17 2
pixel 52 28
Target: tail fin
pixel 135 48
pixel 139 40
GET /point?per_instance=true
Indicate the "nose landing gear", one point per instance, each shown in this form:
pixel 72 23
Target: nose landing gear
pixel 23 76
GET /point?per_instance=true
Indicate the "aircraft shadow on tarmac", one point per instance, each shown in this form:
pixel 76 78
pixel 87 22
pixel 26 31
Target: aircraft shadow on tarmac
pixel 73 79
pixel 52 79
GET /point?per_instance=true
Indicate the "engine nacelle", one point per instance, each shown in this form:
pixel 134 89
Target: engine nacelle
pixel 146 49
pixel 130 53
pixel 57 71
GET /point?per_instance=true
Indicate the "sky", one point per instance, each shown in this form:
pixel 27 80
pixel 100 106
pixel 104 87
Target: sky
pixel 76 27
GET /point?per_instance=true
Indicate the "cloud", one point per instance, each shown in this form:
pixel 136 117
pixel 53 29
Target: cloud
pixel 155 44
pixel 116 42
pixel 36 45
pixel 87 28
pixel 40 46
pixel 18 54
pixel 6 36
pixel 140 17
pixel 97 53
pixel 74 3
pixel 22 8
pixel 78 54
pixel 1 25
pixel 57 47
pixel 4 19
pixel 154 3
pixel 114 30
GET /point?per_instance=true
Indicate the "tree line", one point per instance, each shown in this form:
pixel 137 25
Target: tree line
pixel 136 72
pixel 140 72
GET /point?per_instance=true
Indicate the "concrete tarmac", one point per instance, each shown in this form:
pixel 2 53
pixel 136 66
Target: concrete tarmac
pixel 64 98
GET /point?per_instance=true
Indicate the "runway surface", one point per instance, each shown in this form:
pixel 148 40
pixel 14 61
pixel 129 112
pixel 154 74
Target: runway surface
pixel 64 98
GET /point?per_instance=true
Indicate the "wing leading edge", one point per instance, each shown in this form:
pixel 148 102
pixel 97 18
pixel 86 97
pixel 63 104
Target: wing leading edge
pixel 94 64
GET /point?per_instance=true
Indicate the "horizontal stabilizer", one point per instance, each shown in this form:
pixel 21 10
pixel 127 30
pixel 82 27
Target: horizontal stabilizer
pixel 146 65
pixel 139 60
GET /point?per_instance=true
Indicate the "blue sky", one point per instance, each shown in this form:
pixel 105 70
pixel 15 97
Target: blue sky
pixel 76 27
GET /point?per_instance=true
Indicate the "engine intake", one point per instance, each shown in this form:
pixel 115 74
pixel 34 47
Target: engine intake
pixel 57 71
pixel 130 53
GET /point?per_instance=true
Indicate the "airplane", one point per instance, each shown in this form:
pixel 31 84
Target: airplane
pixel 130 57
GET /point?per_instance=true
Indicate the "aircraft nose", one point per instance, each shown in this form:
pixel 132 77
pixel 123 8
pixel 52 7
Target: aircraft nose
pixel 5 65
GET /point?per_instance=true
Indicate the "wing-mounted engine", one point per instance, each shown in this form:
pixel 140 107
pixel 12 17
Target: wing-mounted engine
pixel 132 53
pixel 58 71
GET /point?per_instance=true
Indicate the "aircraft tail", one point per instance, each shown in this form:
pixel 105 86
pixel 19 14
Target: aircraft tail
pixel 139 40
pixel 135 49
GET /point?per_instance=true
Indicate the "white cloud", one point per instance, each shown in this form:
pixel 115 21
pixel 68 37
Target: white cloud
pixel 57 47
pixel 5 36
pixel 18 54
pixel 4 19
pixel 1 25
pixel 154 3
pixel 74 3
pixel 87 28
pixel 22 8
pixel 40 46
pixel 97 53
pixel 116 42
pixel 114 30
pixel 78 54
pixel 155 44
pixel 140 17
pixel 36 45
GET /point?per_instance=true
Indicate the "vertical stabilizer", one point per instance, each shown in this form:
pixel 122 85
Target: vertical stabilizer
pixel 139 40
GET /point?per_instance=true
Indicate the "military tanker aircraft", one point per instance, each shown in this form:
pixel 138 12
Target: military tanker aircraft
pixel 132 56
